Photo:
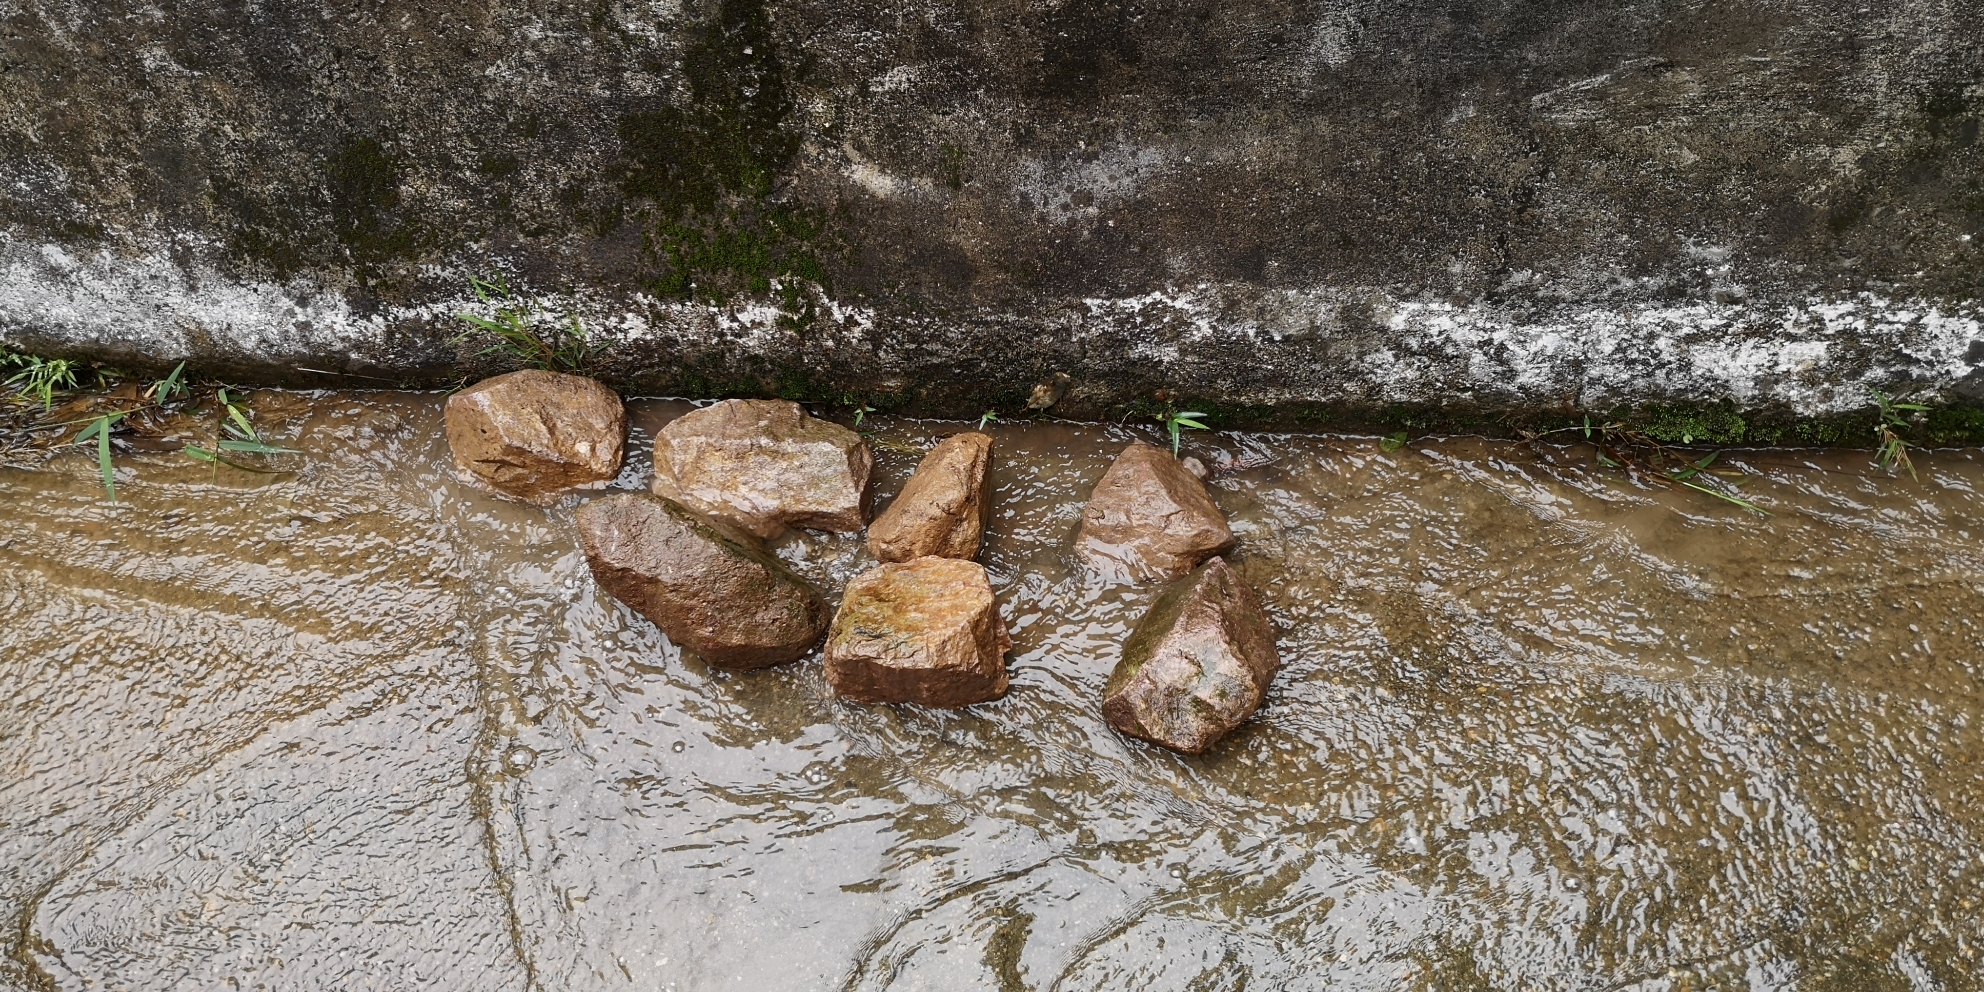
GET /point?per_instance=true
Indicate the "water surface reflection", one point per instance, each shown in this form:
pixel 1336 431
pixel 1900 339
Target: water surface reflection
pixel 362 726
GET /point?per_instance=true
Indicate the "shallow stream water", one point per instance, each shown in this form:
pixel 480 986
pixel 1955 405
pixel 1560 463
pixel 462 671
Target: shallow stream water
pixel 361 726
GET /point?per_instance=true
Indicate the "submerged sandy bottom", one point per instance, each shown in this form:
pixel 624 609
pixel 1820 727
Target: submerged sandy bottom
pixel 364 727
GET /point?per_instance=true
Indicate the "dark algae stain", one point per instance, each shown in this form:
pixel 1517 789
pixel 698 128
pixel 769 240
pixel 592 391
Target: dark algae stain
pixel 363 185
pixel 707 171
pixel 346 213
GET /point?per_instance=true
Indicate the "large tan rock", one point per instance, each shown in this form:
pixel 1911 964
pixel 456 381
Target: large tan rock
pixel 535 435
pixel 1149 518
pixel 765 465
pixel 925 631
pixel 1197 665
pixel 713 590
pixel 943 508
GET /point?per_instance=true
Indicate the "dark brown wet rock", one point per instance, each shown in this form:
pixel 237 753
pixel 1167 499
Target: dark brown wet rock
pixel 765 465
pixel 711 589
pixel 943 508
pixel 534 434
pixel 1048 393
pixel 926 631
pixel 1197 665
pixel 1151 518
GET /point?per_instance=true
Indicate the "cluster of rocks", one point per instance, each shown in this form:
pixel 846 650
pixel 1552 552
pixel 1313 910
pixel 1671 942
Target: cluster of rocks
pixel 922 626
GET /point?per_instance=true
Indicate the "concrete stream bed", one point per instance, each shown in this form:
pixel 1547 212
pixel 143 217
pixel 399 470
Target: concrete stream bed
pixel 358 725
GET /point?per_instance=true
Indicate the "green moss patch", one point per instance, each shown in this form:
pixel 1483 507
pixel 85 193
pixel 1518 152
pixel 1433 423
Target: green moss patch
pixel 706 170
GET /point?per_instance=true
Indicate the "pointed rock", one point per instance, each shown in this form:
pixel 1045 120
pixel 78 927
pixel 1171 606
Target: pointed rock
pixel 943 508
pixel 535 434
pixel 1197 665
pixel 711 589
pixel 1150 518
pixel 926 631
pixel 765 465
pixel 1048 393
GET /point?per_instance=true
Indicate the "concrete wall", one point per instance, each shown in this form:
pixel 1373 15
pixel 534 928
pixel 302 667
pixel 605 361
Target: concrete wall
pixel 1347 203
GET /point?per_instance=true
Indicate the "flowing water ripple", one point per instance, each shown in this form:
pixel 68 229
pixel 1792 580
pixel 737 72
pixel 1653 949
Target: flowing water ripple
pixel 1538 727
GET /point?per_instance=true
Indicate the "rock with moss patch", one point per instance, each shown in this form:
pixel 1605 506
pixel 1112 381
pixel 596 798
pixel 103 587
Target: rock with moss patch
pixel 765 465
pixel 924 631
pixel 1197 665
pixel 1150 518
pixel 536 435
pixel 712 589
pixel 943 508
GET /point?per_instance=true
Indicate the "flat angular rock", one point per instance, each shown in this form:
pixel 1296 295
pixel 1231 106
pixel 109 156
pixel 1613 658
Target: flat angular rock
pixel 712 590
pixel 1197 665
pixel 925 631
pixel 765 465
pixel 1150 518
pixel 943 508
pixel 534 434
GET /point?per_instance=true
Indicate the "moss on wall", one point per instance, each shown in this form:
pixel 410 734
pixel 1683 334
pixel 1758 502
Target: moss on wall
pixel 707 171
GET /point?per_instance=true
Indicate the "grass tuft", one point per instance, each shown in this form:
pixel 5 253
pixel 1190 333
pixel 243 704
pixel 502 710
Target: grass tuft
pixel 1176 420
pixel 41 378
pixel 516 330
pixel 1892 450
pixel 1622 446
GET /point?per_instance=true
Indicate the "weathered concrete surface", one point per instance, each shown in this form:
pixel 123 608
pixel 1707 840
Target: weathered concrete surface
pixel 1522 203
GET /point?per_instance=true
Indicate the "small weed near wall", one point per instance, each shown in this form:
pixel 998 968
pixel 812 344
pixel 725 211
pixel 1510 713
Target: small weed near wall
pixel 209 423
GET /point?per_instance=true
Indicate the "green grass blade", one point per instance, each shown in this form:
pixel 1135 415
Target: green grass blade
pixel 200 454
pixel 172 385
pixel 1725 497
pixel 103 459
pixel 234 413
pixel 256 447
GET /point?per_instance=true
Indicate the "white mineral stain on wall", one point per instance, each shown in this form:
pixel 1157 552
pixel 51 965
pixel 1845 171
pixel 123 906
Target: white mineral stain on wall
pixel 1111 173
pixel 1816 356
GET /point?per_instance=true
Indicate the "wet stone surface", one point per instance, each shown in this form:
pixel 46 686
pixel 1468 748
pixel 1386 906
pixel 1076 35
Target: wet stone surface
pixel 1150 518
pixel 535 434
pixel 713 590
pixel 765 465
pixel 942 508
pixel 1535 727
pixel 924 631
pixel 1196 665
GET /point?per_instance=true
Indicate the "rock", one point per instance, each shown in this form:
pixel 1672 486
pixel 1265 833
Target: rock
pixel 1048 393
pixel 765 465
pixel 943 509
pixel 1196 666
pixel 711 589
pixel 1149 518
pixel 1196 467
pixel 535 434
pixel 925 631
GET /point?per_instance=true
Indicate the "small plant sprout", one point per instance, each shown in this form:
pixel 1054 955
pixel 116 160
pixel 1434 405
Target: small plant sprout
pixel 565 347
pixel 861 412
pixel 40 378
pixel 988 417
pixel 1619 445
pixel 172 386
pixel 234 435
pixel 99 429
pixel 1893 450
pixel 1176 421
